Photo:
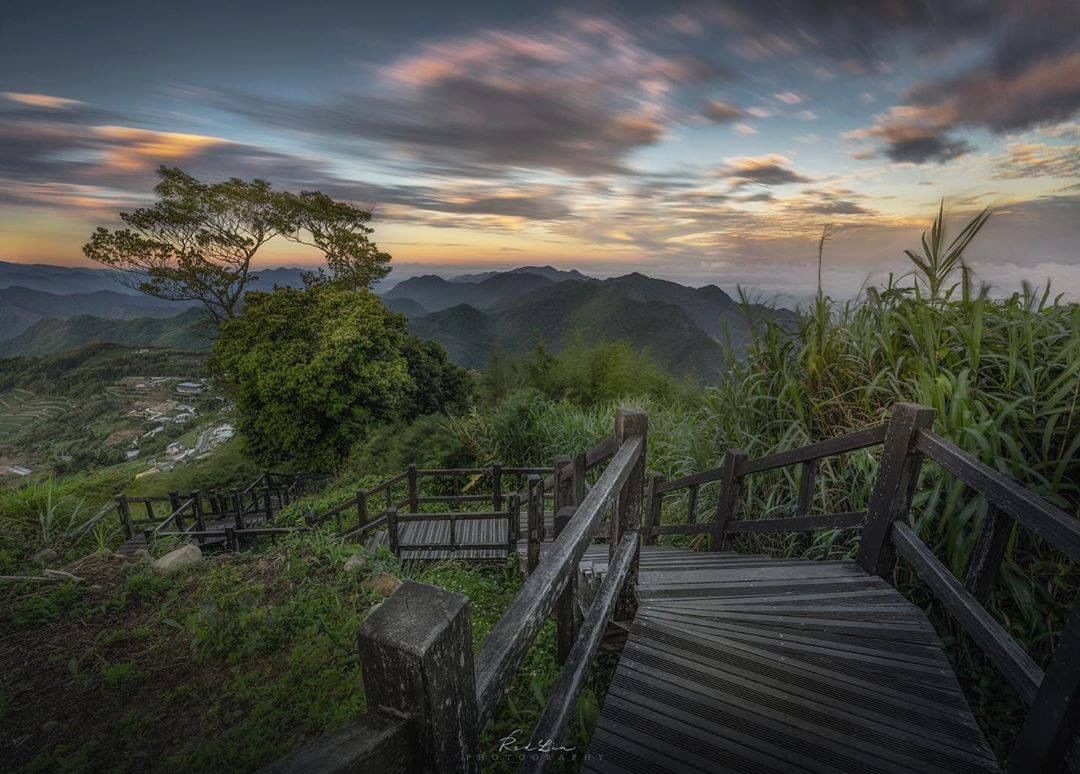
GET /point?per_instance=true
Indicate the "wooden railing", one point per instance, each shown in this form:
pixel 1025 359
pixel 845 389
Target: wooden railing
pixel 428 697
pixel 176 515
pixel 734 468
pixel 1047 736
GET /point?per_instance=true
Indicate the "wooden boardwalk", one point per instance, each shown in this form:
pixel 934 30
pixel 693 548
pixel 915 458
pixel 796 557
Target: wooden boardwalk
pixel 746 663
pixel 467 531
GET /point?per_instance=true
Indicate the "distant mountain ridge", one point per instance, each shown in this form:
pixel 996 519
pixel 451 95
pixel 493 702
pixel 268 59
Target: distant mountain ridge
pixel 187 331
pixel 688 331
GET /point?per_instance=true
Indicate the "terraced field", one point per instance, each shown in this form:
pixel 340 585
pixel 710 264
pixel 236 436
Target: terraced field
pixel 18 408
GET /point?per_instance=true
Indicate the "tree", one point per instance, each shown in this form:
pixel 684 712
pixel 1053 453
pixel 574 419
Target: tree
pixel 313 371
pixel 340 230
pixel 197 241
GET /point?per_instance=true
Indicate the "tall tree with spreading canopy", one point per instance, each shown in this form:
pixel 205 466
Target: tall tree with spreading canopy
pixel 198 240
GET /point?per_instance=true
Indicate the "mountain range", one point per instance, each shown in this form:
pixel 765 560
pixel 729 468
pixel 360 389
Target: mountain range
pixel 688 331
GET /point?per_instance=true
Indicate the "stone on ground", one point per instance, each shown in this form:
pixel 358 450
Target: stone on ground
pixel 357 563
pixel 382 583
pixel 185 556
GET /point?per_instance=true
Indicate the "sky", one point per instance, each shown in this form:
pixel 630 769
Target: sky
pixel 701 142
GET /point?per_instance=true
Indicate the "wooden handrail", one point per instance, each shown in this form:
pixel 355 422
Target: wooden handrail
pixel 564 695
pixel 504 647
pixel 830 447
pixel 1045 520
pixel 1014 664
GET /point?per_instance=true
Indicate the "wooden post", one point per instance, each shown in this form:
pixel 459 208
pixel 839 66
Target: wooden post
pixel 496 486
pixel 629 423
pixel 691 505
pixel 178 519
pixel 513 526
pixel 361 508
pixel 392 529
pixel 890 499
pixel 416 652
pixel 1052 721
pixel 987 554
pixel 577 483
pixel 563 489
pixel 654 502
pixel 230 538
pixel 414 495
pixel 124 509
pixel 268 513
pixel 807 479
pixel 197 505
pixel 535 488
pixel 727 498
pixel 565 617
pixel 238 509
pixel 150 510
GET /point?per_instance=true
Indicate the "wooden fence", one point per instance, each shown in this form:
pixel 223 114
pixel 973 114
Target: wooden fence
pixel 906 440
pixel 428 697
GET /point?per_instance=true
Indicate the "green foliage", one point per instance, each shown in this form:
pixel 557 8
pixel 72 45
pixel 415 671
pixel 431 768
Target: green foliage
pixel 314 370
pixel 582 373
pixel 426 441
pixel 197 241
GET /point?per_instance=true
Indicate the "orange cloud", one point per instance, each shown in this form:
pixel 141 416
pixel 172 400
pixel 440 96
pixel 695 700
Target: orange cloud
pixel 40 100
pixel 135 150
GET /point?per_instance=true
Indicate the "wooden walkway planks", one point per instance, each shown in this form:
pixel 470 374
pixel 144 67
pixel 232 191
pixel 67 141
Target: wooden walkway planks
pixel 467 531
pixel 745 663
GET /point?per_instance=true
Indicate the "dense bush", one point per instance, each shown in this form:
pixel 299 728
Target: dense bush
pixel 311 371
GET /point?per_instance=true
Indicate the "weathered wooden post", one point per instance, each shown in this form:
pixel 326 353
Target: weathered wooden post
pixel 174 503
pixel 654 504
pixel 238 509
pixel 361 508
pixel 268 513
pixel 392 529
pixel 149 502
pixel 178 517
pixel 124 509
pixel 1052 722
pixel 890 499
pixel 727 498
pixel 807 479
pixel 565 618
pixel 230 538
pixel 416 653
pixel 535 488
pixel 196 505
pixel 988 552
pixel 629 423
pixel 513 526
pixel 691 504
pixel 414 494
pixel 496 486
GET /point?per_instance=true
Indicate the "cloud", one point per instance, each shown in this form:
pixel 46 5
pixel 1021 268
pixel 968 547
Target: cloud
pixel 744 129
pixel 577 97
pixel 912 134
pixel 806 115
pixel 1029 77
pixel 721 112
pixel 1025 160
pixel 772 169
pixel 788 97
pixel 40 100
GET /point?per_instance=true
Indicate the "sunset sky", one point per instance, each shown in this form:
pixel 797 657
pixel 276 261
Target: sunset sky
pixel 701 142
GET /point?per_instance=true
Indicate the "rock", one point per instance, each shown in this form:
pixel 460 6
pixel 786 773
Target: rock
pixel 46 556
pixel 49 726
pixel 141 555
pixel 185 556
pixel 382 583
pixel 357 563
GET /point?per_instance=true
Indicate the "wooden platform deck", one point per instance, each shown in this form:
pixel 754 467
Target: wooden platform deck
pixel 467 531
pixel 751 664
